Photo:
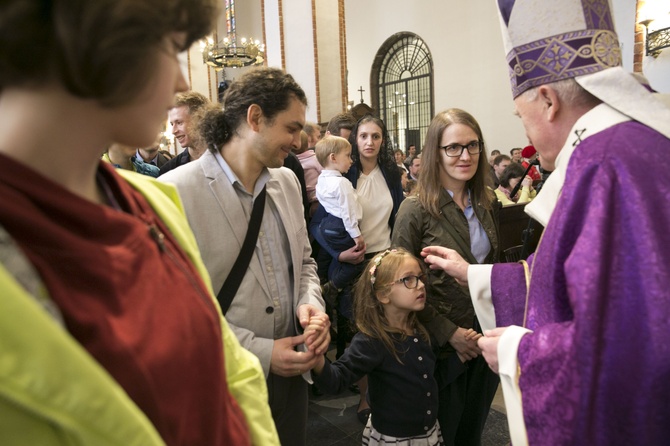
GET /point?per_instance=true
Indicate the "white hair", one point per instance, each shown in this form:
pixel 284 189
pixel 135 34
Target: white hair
pixel 567 90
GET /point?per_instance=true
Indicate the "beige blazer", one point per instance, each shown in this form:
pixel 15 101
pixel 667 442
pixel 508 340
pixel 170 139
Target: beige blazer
pixel 216 216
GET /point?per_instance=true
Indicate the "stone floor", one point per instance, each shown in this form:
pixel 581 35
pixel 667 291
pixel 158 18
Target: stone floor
pixel 332 421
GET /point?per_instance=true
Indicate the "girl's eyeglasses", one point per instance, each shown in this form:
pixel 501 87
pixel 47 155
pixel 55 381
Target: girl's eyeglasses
pixel 411 282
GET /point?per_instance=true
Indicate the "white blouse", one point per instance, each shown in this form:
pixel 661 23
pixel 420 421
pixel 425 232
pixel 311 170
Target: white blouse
pixel 375 198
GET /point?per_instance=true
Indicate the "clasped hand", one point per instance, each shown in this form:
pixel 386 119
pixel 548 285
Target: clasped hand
pixel 286 361
pixel 464 342
pixel 353 255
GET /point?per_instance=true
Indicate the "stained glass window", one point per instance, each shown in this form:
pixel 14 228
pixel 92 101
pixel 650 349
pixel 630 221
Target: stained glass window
pixel 230 17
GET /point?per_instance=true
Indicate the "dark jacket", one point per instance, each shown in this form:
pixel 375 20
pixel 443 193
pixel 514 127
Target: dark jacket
pixel 175 162
pixel 403 396
pixel 161 160
pixel 292 162
pixel 449 304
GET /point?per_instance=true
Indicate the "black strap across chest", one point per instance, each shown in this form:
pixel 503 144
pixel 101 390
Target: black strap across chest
pixel 234 279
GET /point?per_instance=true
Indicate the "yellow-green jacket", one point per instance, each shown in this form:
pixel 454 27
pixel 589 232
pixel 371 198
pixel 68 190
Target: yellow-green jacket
pixel 52 392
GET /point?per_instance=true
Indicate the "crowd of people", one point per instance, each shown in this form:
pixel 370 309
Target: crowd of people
pixel 196 308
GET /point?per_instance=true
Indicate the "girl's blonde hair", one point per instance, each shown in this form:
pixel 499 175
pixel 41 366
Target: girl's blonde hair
pixel 377 279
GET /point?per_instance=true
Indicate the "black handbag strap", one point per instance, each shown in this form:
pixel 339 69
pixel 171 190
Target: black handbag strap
pixel 234 279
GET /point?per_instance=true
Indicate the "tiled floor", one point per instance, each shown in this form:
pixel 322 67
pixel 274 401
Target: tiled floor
pixel 332 421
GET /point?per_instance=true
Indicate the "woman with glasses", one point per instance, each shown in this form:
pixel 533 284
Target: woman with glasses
pixel 453 207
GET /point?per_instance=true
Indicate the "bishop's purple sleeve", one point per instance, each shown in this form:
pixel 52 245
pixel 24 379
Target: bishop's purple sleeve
pixel 508 293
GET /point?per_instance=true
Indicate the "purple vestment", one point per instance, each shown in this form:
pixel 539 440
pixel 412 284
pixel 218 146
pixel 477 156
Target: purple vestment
pixel 596 369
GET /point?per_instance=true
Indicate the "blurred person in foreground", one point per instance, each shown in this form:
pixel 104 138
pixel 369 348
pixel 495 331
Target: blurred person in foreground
pixel 92 352
pixel 582 348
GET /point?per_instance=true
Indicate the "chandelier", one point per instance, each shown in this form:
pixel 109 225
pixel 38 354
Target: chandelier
pixel 230 53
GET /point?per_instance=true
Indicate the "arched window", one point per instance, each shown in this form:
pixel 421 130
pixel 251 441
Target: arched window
pixel 402 88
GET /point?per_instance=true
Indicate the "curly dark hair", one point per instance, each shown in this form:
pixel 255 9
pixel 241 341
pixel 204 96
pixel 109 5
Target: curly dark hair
pixel 104 49
pixel 385 159
pixel 270 88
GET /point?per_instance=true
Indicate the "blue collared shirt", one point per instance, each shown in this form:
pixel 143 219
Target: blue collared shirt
pixel 479 241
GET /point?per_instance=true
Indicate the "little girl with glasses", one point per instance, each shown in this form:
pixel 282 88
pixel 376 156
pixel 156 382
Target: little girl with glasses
pixel 393 349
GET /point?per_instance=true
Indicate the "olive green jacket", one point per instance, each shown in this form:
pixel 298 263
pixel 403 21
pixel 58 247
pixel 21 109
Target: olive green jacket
pixel 448 304
pixel 52 392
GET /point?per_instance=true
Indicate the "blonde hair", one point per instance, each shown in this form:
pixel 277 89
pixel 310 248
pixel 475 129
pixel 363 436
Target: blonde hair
pixel 329 145
pixel 369 316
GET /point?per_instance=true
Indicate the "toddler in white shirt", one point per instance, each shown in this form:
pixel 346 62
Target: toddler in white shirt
pixel 338 197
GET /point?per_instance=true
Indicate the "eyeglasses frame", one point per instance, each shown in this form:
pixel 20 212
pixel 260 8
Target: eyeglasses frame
pixel 480 148
pixel 422 277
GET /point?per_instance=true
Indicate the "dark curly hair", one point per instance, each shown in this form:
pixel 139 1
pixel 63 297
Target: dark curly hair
pixel 96 49
pixel 385 159
pixel 270 88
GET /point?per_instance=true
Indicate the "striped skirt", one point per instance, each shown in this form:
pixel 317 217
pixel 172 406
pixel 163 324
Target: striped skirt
pixel 372 437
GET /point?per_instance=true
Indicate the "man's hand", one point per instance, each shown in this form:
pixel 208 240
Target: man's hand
pixel 465 343
pixel 287 362
pixel 489 346
pixel 316 341
pixel 352 255
pixel 438 257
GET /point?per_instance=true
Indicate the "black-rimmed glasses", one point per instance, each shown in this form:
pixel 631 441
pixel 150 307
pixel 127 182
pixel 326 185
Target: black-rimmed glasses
pixel 474 148
pixel 411 282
